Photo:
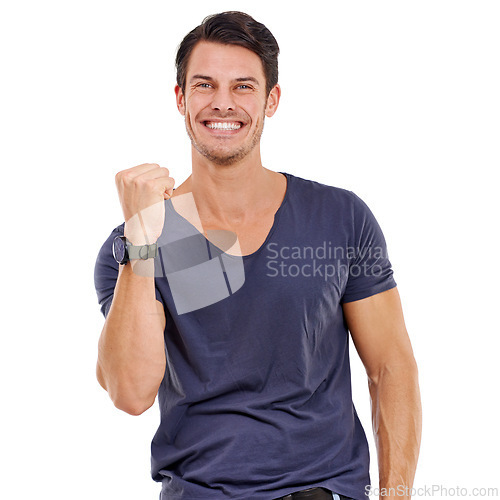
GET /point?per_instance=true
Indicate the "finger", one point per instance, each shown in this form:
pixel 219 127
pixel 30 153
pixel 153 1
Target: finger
pixel 138 170
pixel 169 187
pixel 168 193
pixel 154 173
pixel 162 184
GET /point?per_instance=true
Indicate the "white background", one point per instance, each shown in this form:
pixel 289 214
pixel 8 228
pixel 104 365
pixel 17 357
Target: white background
pixel 398 101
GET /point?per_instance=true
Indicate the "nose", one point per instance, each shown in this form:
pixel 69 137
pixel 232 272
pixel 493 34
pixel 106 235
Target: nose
pixel 223 100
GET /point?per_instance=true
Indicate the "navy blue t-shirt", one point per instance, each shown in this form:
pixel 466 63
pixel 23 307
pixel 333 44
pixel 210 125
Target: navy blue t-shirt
pixel 256 399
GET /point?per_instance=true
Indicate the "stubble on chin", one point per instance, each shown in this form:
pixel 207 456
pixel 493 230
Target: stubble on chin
pixel 224 159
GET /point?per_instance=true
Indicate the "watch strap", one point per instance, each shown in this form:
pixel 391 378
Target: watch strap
pixel 143 252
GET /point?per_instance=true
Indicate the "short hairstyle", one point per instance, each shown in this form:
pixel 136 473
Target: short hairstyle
pixel 231 28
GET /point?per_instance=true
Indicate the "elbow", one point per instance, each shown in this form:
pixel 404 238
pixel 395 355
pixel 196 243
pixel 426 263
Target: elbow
pixel 132 402
pixel 132 407
pixel 123 398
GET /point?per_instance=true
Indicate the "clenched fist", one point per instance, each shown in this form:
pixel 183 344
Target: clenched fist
pixel 142 191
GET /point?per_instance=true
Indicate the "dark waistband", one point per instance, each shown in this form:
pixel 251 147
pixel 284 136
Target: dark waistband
pixel 312 494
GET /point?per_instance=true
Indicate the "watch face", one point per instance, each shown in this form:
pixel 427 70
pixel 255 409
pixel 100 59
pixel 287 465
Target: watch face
pixel 119 249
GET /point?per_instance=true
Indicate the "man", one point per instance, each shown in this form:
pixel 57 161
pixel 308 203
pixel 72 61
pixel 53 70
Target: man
pixel 253 386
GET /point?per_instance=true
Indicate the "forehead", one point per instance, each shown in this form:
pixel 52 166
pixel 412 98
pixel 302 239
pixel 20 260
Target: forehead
pixel 221 61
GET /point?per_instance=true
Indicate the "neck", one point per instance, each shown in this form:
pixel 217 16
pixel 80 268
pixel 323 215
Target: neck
pixel 230 193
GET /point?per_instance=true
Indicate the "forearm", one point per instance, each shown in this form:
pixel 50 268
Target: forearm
pixel 131 354
pixel 397 422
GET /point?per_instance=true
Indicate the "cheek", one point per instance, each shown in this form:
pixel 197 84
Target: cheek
pixel 254 109
pixel 197 102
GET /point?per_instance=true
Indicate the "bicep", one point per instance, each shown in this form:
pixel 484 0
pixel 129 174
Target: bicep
pixel 378 331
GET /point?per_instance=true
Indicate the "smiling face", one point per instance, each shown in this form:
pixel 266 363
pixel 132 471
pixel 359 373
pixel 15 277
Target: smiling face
pixel 225 102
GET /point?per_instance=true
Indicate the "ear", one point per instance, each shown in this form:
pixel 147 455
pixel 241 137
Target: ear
pixel 273 100
pixel 179 97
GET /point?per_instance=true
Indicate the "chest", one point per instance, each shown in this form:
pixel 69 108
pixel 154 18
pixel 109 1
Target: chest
pixel 250 235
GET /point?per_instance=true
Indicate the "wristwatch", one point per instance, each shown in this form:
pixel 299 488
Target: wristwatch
pixel 123 251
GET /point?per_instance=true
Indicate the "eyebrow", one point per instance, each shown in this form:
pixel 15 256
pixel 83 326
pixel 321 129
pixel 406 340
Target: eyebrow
pixel 200 77
pixel 241 79
pixel 247 79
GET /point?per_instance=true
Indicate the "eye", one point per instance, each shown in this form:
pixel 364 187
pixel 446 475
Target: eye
pixel 244 86
pixel 202 86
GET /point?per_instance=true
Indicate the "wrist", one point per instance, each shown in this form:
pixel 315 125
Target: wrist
pixel 145 227
pixel 124 251
pixel 144 268
pixel 135 234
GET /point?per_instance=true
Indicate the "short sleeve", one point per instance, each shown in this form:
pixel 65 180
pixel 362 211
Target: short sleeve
pixel 106 273
pixel 370 271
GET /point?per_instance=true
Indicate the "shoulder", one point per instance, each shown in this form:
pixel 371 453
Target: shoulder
pixel 315 192
pixel 117 231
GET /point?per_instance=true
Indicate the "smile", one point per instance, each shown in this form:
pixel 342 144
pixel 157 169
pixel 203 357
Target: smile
pixel 223 125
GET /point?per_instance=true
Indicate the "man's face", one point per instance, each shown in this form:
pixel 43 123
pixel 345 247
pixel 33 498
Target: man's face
pixel 225 101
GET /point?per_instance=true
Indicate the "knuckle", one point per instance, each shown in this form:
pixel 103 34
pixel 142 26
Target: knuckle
pixel 120 179
pixel 138 183
pixel 126 178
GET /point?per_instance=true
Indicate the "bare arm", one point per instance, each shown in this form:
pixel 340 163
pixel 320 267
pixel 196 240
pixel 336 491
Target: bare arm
pixel 131 355
pixel 379 334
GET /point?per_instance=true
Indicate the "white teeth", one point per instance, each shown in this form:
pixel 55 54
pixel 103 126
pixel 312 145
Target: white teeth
pixel 223 125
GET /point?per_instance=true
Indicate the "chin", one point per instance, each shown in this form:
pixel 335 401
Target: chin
pixel 224 160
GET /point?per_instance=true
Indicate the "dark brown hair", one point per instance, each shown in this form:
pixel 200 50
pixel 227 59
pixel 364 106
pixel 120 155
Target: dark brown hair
pixel 232 28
